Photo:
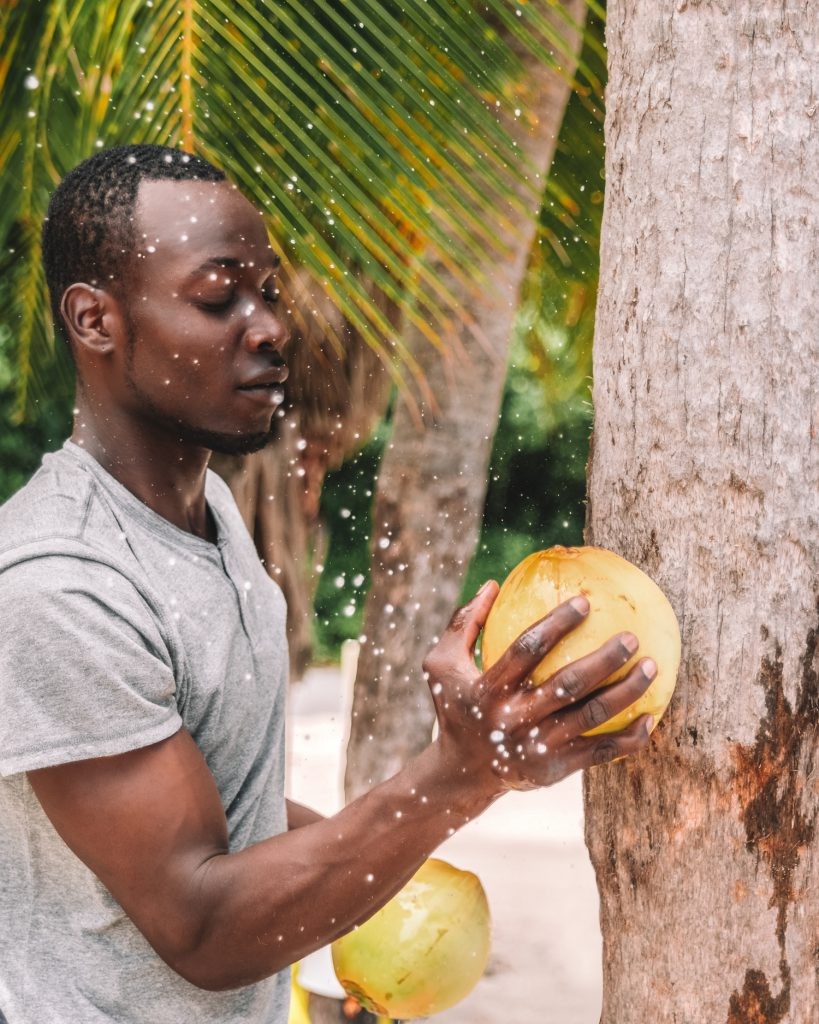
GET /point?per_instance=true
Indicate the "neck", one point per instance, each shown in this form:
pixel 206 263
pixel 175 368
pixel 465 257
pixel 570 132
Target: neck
pixel 168 476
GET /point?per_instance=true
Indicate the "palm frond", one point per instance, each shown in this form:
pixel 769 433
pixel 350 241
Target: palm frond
pixel 367 131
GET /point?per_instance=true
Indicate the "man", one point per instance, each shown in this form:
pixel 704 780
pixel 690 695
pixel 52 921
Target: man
pixel 151 868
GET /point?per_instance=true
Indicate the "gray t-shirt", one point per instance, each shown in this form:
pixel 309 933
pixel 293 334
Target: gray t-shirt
pixel 116 629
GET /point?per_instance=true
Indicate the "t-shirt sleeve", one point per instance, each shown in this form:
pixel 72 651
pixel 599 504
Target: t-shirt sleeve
pixel 84 669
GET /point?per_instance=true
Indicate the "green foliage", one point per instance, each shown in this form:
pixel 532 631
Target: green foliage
pixel 537 475
pixel 22 446
pixel 536 494
pixel 367 130
pixel 346 510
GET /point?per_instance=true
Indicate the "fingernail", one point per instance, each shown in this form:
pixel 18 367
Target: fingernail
pixel 630 642
pixel 649 668
pixel 483 587
pixel 649 723
pixel 581 604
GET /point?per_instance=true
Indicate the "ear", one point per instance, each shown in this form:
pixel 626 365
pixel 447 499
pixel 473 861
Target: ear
pixel 91 317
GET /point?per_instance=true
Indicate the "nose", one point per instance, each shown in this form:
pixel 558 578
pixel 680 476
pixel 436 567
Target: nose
pixel 266 329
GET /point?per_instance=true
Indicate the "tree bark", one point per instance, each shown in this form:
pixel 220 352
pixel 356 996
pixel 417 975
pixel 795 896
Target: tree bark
pixel 704 473
pixel 432 482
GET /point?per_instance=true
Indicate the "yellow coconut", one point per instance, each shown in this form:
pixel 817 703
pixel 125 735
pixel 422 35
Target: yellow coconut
pixel 622 599
pixel 424 950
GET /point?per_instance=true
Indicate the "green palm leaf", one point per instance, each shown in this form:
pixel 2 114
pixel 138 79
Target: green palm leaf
pixel 368 132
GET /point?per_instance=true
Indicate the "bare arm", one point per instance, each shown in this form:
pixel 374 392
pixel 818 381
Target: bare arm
pixel 150 823
pixel 298 815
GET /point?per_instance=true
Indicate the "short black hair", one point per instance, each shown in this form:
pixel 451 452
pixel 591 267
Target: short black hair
pixel 88 232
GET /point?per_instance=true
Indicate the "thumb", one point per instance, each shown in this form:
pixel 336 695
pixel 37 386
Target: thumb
pixel 477 612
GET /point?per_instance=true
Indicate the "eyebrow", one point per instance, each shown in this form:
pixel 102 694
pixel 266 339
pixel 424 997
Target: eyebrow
pixel 231 261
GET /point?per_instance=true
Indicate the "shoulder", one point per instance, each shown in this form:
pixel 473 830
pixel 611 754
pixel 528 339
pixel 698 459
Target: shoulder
pixel 57 527
pixel 54 502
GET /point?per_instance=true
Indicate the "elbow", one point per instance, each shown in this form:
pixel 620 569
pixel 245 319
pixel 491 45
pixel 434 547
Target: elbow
pixel 212 969
pixel 203 963
pixel 190 967
pixel 192 953
pixel 205 943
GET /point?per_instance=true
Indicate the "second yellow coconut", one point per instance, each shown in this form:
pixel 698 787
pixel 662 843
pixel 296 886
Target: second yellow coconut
pixel 424 950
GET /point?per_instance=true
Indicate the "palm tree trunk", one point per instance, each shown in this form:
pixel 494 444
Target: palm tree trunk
pixel 432 482
pixel 704 472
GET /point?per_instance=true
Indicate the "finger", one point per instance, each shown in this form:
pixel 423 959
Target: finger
pixel 478 608
pixel 548 763
pixel 582 677
pixel 520 659
pixel 464 627
pixel 606 703
pixel 594 750
pixel 588 751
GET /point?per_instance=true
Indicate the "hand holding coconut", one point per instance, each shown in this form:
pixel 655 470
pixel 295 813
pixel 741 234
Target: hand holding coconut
pixel 531 718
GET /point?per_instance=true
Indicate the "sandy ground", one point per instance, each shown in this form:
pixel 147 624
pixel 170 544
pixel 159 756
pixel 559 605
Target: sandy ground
pixel 528 851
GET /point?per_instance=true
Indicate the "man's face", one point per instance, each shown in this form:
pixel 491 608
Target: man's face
pixel 202 317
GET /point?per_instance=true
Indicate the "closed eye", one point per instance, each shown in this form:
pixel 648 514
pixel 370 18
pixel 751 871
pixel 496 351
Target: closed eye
pixel 216 307
pixel 271 297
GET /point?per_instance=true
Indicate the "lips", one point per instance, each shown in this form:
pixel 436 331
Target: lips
pixel 268 379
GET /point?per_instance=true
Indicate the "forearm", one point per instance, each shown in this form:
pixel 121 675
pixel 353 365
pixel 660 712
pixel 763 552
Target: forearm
pixel 271 904
pixel 298 815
